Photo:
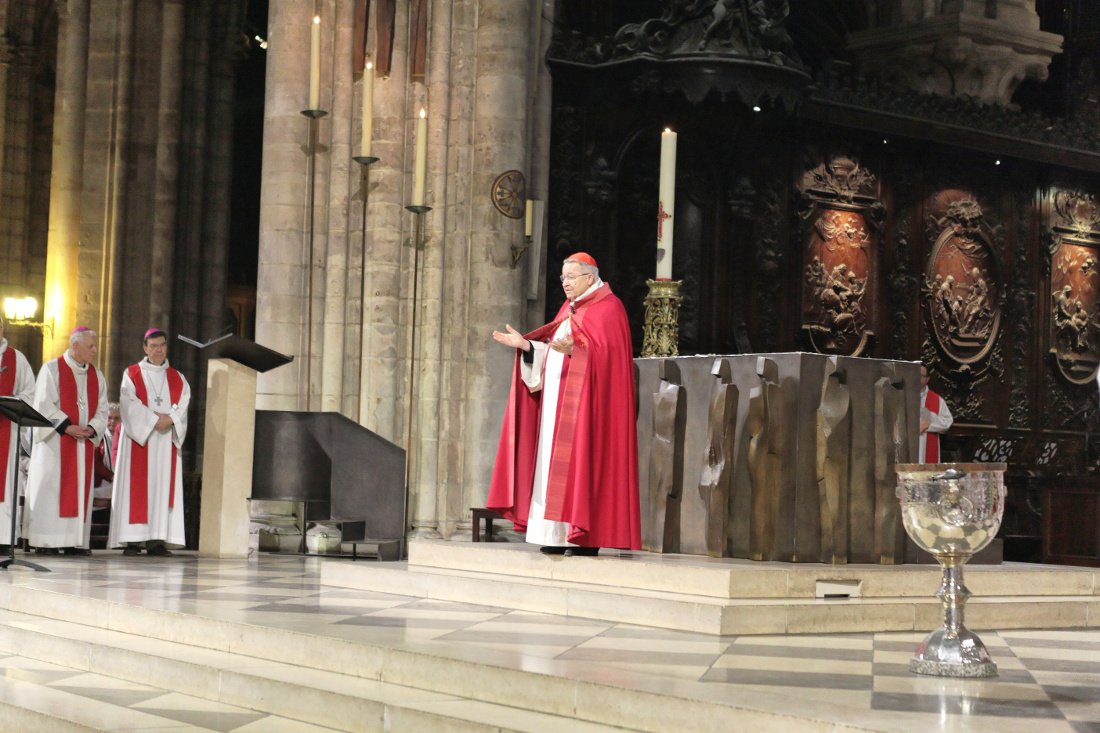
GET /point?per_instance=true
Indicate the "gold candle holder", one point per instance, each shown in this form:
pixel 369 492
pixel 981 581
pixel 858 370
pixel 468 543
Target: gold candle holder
pixel 661 333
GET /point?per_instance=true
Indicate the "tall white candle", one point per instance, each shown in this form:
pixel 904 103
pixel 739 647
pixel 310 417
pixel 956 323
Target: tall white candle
pixel 529 219
pixel 315 64
pixel 368 108
pixel 666 205
pixel 421 170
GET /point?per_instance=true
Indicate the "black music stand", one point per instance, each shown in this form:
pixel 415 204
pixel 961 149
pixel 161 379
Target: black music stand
pixel 21 415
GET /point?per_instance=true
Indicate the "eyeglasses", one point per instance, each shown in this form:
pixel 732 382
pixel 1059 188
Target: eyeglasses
pixel 571 278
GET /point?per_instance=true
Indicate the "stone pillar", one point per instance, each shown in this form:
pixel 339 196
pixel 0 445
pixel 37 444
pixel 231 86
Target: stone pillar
pixel 165 189
pixel 63 245
pixel 281 304
pixel 494 290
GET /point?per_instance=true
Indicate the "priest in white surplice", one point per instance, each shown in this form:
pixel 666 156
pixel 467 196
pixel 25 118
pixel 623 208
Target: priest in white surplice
pixel 16 380
pixel 147 502
pixel 72 393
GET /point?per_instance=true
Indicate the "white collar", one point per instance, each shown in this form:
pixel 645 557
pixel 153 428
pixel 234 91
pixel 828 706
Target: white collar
pixel 146 364
pixel 591 289
pixel 73 362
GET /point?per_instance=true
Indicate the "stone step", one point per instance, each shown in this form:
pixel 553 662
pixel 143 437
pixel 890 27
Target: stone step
pixel 286 673
pixel 778 599
pixel 294 691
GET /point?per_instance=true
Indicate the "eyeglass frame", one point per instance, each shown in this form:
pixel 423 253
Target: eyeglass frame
pixel 571 278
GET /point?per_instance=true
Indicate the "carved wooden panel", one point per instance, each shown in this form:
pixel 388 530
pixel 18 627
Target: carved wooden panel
pixel 1075 286
pixel 962 285
pixel 840 244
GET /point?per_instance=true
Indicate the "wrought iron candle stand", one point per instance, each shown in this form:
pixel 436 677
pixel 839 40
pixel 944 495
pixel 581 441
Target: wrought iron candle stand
pixel 661 332
pixel 417 244
pixel 952 511
pixel 314 116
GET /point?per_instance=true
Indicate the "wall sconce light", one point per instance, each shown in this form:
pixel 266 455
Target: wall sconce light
pixel 20 311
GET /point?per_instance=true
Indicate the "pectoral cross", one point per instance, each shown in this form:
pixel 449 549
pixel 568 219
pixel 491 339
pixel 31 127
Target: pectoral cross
pixel 157 400
pixel 661 216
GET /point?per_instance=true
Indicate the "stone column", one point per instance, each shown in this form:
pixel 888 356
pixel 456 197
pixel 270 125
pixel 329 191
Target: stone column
pixel 63 244
pixel 383 368
pixel 281 304
pixel 494 289
pixel 165 191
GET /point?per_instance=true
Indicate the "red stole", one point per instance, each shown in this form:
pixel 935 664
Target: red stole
pixel 7 389
pixel 68 506
pixel 932 440
pixel 139 454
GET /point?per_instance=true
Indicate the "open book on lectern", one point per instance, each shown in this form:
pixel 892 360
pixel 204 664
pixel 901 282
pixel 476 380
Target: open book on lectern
pixel 241 350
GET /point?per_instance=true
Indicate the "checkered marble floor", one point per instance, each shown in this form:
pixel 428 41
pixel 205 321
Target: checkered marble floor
pixel 1049 680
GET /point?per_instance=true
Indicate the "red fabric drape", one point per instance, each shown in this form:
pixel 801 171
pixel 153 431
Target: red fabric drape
pixel 932 440
pixel 69 504
pixel 7 389
pixel 139 454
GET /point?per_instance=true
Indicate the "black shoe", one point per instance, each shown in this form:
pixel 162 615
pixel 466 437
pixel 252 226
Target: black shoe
pixel 158 551
pixel 553 550
pixel 581 551
pixel 131 550
pixel 78 551
pixel 46 551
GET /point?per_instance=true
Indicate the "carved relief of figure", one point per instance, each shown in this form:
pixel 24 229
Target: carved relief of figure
pixel 1071 319
pixel 725 17
pixel 717 471
pixel 832 464
pixel 837 296
pixel 977 315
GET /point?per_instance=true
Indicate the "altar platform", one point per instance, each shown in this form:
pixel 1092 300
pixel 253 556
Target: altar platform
pixel 282 643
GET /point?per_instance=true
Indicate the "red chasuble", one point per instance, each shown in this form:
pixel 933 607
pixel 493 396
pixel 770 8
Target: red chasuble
pixel 932 440
pixel 593 481
pixel 139 454
pixel 7 389
pixel 69 504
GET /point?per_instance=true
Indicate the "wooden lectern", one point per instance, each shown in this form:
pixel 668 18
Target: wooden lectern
pixel 229 440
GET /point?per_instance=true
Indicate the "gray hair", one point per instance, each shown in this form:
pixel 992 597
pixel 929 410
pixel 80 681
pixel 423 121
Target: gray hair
pixel 77 336
pixel 113 406
pixel 586 269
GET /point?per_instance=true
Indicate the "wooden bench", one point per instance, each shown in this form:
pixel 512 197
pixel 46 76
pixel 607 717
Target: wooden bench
pixel 487 515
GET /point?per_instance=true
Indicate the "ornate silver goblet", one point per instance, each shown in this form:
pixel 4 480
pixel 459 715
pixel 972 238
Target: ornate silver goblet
pixel 952 510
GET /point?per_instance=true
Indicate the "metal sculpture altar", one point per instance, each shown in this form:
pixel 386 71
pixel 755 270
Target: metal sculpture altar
pixel 952 511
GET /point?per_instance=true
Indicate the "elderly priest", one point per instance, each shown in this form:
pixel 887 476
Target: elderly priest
pixel 567 464
pixel 72 393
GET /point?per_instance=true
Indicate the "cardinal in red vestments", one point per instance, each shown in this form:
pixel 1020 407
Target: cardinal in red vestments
pixel 566 470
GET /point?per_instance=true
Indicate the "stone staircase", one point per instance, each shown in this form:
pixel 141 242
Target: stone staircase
pixel 287 673
pixel 711 596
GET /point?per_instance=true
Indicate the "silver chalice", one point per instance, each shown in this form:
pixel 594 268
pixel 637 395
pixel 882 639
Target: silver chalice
pixel 952 510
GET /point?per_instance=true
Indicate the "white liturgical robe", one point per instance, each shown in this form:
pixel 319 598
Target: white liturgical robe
pixel 163 519
pixel 43 524
pixel 18 383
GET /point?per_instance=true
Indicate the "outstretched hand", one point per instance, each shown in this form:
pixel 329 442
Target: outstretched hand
pixel 511 337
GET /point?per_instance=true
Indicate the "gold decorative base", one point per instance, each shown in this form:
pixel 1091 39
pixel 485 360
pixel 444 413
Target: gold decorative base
pixel 661 333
